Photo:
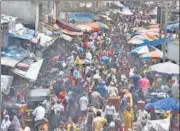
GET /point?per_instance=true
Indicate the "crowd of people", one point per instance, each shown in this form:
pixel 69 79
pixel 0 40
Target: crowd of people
pixel 103 90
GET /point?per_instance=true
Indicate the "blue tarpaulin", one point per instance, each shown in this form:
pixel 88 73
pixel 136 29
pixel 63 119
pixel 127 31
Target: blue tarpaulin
pixel 165 104
pixel 26 36
pixel 157 42
pixel 171 27
pixel 12 55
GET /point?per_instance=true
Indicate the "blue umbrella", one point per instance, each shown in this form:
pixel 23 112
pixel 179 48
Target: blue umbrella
pixel 165 104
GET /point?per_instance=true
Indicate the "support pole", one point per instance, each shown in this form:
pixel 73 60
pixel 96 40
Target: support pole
pixel 38 25
pixel 55 10
pixel 165 34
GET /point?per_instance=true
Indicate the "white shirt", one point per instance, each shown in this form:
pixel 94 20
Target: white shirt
pixel 142 115
pixel 5 125
pixel 58 107
pixel 112 91
pixel 89 56
pixel 110 110
pixel 39 113
pixel 26 129
pixel 83 101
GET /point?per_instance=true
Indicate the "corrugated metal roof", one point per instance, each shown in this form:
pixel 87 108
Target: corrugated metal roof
pixel 32 73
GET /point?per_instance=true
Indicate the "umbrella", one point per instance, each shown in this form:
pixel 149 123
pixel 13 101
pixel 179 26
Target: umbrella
pixel 103 26
pixel 94 26
pixel 150 36
pixel 165 104
pixel 166 68
pixel 143 49
pixel 141 37
pixel 135 41
pixel 84 27
pixel 152 55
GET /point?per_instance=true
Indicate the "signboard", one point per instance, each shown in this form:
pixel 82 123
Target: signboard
pixel 81 16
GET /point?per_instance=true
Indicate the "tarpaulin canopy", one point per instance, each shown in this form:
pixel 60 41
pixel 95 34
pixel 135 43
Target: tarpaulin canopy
pixel 6 82
pixel 157 42
pixel 165 104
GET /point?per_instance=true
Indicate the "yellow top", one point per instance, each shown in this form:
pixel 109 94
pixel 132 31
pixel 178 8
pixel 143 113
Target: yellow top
pixel 98 123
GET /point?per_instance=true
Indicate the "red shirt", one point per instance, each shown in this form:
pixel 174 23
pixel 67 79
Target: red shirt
pixel 85 44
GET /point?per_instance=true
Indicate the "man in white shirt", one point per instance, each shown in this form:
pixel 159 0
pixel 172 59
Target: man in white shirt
pixel 142 117
pixel 89 56
pixel 110 112
pixel 39 113
pixel 58 107
pixel 112 90
pixel 83 102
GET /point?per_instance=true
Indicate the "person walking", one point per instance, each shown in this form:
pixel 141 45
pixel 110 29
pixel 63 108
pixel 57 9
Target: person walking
pixel 110 112
pixel 5 123
pixel 99 122
pixel 128 118
pixel 15 124
pixel 83 103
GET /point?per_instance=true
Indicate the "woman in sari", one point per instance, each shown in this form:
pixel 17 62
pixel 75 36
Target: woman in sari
pixel 128 118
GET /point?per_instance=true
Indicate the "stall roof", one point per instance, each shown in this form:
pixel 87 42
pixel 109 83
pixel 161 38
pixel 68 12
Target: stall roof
pixel 12 55
pixel 22 32
pixel 6 82
pixel 32 73
pixel 29 35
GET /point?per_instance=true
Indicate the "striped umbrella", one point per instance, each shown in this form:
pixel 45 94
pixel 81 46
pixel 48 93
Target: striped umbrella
pixel 152 55
pixel 98 26
pixel 103 26
pixel 84 27
pixel 94 26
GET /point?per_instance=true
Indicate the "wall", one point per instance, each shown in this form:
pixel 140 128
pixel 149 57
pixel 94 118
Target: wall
pixel 24 10
pixel 173 51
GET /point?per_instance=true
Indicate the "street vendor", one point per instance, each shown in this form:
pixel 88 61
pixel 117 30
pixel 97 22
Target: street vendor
pixel 142 116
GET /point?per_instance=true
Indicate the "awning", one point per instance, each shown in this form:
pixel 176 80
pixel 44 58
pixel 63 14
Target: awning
pixel 157 42
pixel 32 73
pixel 67 26
pixel 6 82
